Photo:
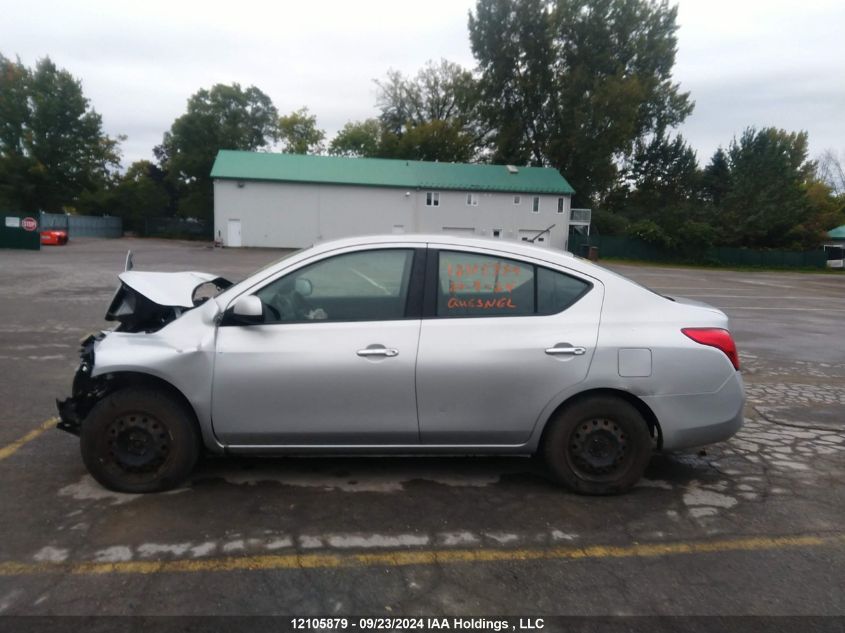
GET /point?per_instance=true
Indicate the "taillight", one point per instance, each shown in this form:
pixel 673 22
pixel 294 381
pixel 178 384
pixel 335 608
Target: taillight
pixel 715 337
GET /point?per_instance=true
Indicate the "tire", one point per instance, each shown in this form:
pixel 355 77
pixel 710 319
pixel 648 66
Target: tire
pixel 599 445
pixel 139 439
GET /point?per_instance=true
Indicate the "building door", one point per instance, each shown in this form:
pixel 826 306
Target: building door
pixel 233 235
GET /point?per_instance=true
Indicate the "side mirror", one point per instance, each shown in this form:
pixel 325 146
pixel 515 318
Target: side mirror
pixel 303 286
pixel 248 309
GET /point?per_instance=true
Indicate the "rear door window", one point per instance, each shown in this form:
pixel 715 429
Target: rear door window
pixel 472 285
pixel 478 285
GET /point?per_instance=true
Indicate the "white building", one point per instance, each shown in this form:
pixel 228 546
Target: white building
pixel 292 201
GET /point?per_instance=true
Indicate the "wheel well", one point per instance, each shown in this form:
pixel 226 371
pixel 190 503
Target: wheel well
pixel 121 380
pixel 643 409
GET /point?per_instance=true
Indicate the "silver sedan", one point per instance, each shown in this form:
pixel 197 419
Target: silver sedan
pixel 403 344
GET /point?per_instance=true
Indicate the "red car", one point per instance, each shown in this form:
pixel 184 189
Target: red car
pixel 54 238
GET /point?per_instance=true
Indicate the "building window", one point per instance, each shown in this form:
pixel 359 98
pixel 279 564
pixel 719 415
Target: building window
pixel 535 205
pixel 472 199
pixel 517 200
pixel 432 198
pixel 497 232
pixel 560 205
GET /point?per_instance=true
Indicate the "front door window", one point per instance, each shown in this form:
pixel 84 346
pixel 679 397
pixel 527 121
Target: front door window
pixel 363 286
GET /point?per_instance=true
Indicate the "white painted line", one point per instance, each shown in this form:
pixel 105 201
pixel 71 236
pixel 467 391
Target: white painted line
pixel 804 298
pixel 763 283
pixel 433 557
pixel 791 309
pixel 377 540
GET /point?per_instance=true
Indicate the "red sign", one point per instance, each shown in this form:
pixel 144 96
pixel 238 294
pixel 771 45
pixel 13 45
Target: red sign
pixel 29 224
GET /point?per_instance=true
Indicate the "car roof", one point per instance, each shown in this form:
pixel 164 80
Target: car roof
pixel 506 247
pixel 444 239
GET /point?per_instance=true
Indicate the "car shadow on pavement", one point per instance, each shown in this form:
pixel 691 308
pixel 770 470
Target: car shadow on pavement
pixel 358 473
pixel 394 473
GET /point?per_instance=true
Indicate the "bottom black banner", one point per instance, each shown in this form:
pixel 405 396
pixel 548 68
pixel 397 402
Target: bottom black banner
pixel 423 624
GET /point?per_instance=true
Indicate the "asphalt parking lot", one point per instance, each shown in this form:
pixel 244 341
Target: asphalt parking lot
pixel 750 526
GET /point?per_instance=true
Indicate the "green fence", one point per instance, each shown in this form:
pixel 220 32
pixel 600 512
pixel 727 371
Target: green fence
pixel 19 231
pixel 83 225
pixel 177 228
pixel 620 247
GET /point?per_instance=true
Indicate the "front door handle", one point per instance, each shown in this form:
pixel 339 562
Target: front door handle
pixel 378 351
pixel 565 349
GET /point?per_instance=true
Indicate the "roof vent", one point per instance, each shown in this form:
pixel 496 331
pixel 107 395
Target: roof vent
pixel 512 169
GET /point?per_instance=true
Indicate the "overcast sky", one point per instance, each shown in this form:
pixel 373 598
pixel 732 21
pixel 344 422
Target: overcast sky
pixel 746 62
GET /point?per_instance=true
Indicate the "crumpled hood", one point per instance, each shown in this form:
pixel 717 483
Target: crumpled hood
pixel 147 301
pixel 168 289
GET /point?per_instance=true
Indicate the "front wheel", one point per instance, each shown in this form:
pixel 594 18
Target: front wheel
pixel 599 445
pixel 139 439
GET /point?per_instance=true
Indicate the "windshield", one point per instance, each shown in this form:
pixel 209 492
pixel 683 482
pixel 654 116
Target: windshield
pixel 274 262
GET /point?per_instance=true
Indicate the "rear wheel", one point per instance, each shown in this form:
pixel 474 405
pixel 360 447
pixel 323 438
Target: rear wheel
pixel 139 440
pixel 599 445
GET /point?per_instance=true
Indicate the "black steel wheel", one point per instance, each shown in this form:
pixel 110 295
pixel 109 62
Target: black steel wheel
pixel 598 445
pixel 139 440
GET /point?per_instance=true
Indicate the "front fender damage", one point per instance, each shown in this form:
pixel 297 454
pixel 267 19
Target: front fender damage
pixel 178 358
pixel 151 309
pixel 86 390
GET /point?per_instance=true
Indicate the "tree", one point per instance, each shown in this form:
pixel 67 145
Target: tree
pixel 299 133
pixel 831 172
pixel 358 139
pixel 431 116
pixel 436 140
pixel 766 204
pixel 17 188
pixel 715 181
pixel 142 194
pixel 52 145
pixel 224 117
pixel 138 195
pixel 661 186
pixel 663 175
pixel 575 83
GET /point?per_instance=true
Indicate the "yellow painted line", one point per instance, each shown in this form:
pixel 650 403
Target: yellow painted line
pixel 401 558
pixel 14 447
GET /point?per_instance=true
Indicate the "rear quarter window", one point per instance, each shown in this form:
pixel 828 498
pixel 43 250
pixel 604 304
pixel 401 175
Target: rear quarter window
pixel 557 291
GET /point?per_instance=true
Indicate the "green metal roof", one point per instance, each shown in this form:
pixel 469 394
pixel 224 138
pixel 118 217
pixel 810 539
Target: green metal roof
pixel 838 233
pixel 382 172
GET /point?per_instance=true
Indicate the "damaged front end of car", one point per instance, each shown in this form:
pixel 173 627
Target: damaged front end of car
pixel 85 392
pixel 144 303
pixel 147 301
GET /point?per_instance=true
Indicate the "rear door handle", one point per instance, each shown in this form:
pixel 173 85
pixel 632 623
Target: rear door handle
pixel 560 350
pixel 378 351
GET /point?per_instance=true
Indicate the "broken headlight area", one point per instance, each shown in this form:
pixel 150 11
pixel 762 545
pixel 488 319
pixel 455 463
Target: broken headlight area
pixel 145 302
pixel 86 390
